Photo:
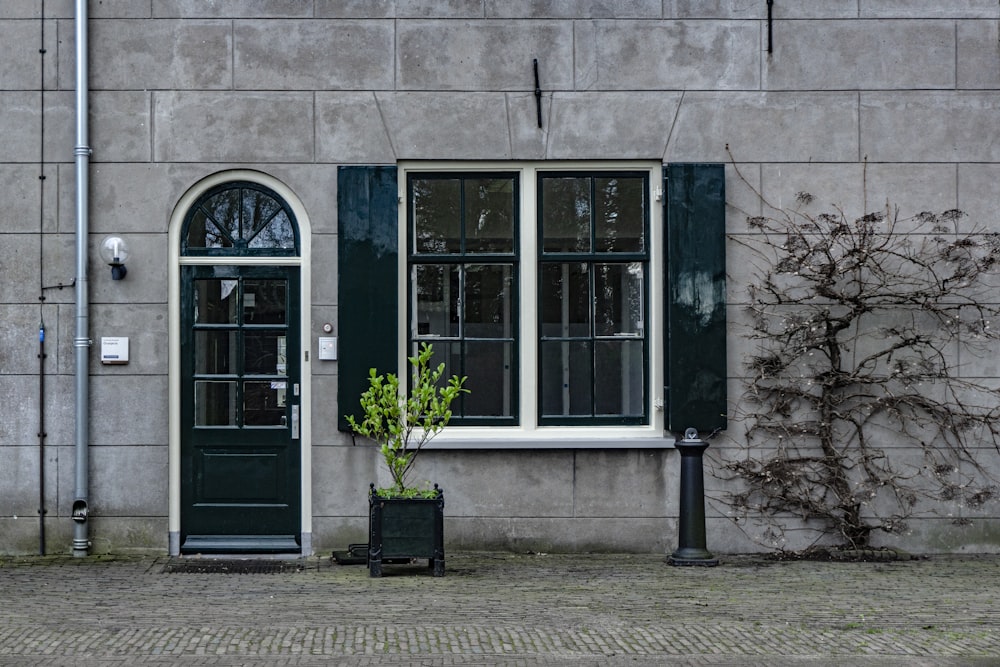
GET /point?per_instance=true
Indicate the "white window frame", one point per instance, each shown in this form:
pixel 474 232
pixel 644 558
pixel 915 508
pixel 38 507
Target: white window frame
pixel 528 434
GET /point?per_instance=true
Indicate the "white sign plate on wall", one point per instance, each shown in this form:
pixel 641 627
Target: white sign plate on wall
pixel 114 350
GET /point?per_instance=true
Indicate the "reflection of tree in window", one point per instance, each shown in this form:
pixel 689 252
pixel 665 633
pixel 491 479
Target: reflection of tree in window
pixel 239 216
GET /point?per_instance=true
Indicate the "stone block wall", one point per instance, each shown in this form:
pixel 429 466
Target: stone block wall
pixel 185 88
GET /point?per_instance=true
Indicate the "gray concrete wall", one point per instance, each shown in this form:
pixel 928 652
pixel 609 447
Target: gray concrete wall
pixel 186 88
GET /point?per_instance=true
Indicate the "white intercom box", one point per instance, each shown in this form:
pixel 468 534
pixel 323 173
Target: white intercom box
pixel 327 348
pixel 114 350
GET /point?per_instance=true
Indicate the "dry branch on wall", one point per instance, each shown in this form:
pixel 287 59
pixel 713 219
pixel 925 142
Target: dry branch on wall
pixel 857 412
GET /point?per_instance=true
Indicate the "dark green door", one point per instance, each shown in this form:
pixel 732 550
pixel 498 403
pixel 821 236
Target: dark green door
pixel 240 412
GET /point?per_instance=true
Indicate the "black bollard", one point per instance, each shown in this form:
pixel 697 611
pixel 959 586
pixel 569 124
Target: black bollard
pixel 691 524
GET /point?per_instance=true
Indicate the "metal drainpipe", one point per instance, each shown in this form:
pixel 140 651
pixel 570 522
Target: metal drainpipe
pixel 81 343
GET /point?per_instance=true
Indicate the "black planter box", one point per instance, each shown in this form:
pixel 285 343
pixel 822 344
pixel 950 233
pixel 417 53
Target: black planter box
pixel 404 529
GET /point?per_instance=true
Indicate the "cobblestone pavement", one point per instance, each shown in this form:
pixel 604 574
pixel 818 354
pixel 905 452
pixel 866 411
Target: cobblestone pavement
pixel 503 609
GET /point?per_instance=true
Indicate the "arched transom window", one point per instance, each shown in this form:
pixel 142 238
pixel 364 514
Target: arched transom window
pixel 240 219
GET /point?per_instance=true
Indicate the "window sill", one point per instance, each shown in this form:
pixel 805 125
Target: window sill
pixel 473 438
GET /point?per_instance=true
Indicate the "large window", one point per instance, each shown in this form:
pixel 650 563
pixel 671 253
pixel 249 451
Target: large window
pixel 535 283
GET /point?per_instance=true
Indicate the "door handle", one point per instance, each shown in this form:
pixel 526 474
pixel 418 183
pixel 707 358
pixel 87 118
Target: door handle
pixel 295 422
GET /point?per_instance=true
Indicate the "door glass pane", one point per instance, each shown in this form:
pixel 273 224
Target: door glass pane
pixel 619 365
pixel 214 352
pixel 566 214
pixel 264 352
pixel 258 210
pixel 264 403
pixel 488 365
pixel 436 215
pixel 202 233
pixel 215 301
pixel 489 215
pixel 566 381
pixel 565 299
pixel 618 214
pixel 214 403
pixel 618 304
pixel 264 301
pixel 437 295
pixel 488 301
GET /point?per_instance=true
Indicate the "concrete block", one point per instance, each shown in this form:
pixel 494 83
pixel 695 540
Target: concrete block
pixel 978 193
pixel 528 140
pixel 20 536
pixel 20 69
pixel 355 9
pixel 626 483
pixel 440 9
pixel 233 127
pixel 573 9
pixel 313 55
pixel 19 339
pixel 484 55
pixel 145 325
pixel 129 410
pixel 127 198
pixel 349 128
pixel 118 123
pixel 20 483
pixel 671 55
pixel 522 483
pixel 148 55
pixel 615 125
pixel 559 535
pixel 868 55
pixel 341 476
pixel 19 116
pixel 315 185
pixel 929 126
pixel 927 9
pixel 146 281
pixel 912 188
pixel 20 425
pixel 324 278
pixel 833 186
pixel 742 198
pixel 19 263
pixel 122 534
pixel 231 9
pixel 766 127
pixel 30 9
pixel 979 54
pixel 125 481
pixel 442 126
pixel 28 203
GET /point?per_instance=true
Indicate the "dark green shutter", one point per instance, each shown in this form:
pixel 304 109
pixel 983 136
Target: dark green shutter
pixel 695 394
pixel 367 300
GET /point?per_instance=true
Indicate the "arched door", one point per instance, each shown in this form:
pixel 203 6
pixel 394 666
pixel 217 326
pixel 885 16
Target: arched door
pixel 240 373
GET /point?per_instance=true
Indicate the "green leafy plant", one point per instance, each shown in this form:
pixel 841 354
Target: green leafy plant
pixel 401 423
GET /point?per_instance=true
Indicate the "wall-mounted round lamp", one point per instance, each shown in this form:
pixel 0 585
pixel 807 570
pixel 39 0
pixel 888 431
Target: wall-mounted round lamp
pixel 114 251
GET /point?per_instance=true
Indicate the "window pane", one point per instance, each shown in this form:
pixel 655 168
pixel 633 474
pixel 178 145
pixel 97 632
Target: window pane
pixel 436 212
pixel 214 352
pixel 566 214
pixel 618 302
pixel 278 233
pixel 488 304
pixel 224 210
pixel 618 368
pixel 214 403
pixel 264 301
pixel 215 301
pixel 202 233
pixel 489 215
pixel 489 367
pixel 566 382
pixel 264 403
pixel 258 209
pixel 264 352
pixel 437 294
pixel 564 289
pixel 619 216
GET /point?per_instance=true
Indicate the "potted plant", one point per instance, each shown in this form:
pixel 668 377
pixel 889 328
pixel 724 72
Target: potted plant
pixel 406 522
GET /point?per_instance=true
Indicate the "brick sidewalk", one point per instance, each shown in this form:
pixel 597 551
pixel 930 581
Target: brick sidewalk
pixel 504 609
